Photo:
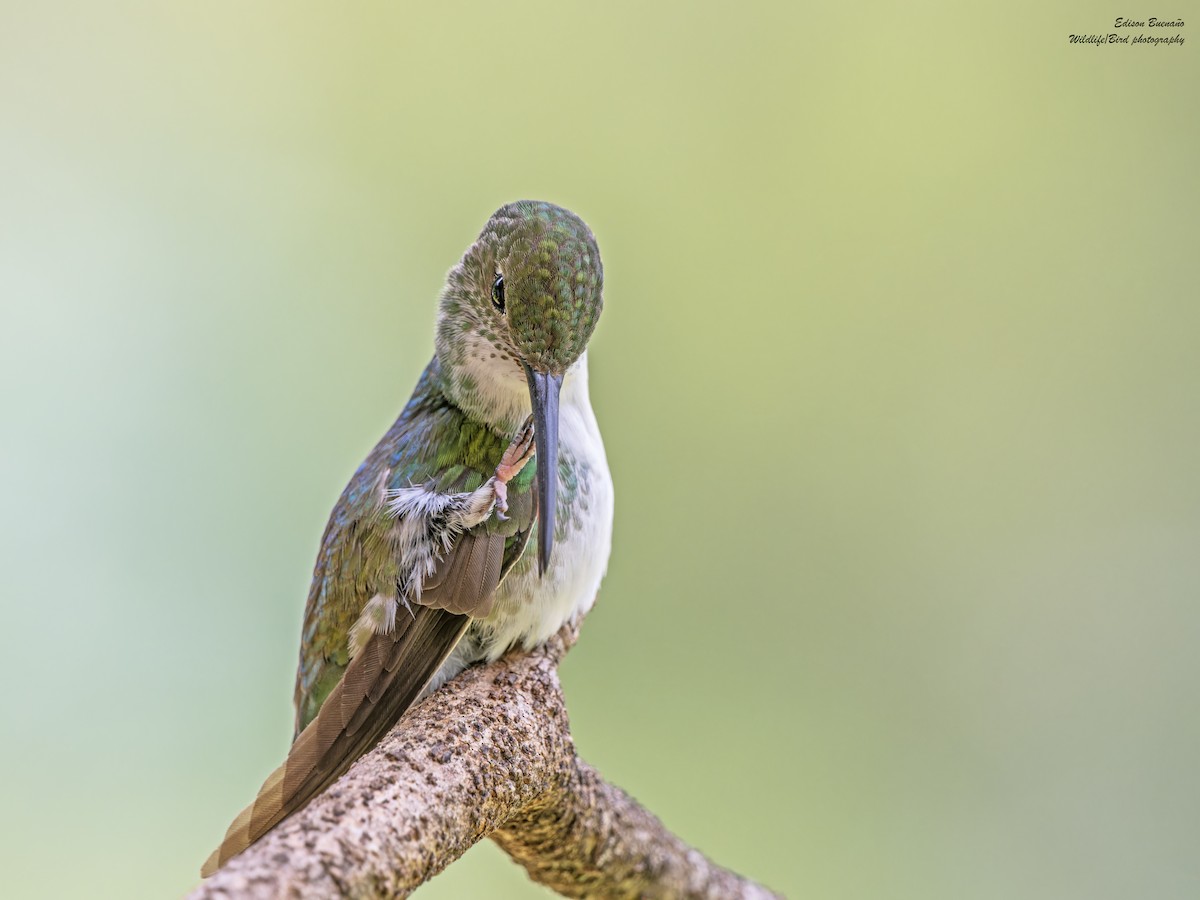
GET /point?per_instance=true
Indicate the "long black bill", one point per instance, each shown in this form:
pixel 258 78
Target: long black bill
pixel 543 392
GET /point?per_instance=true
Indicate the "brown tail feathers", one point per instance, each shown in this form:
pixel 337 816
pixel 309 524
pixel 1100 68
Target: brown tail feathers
pixel 381 682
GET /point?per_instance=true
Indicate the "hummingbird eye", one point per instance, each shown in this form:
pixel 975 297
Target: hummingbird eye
pixel 498 293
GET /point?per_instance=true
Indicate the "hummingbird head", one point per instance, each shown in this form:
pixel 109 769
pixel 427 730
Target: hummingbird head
pixel 515 317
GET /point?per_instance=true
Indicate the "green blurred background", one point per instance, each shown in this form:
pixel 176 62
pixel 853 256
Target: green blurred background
pixel 898 376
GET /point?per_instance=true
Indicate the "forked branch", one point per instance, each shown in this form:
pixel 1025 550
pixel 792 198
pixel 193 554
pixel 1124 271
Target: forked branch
pixel 488 755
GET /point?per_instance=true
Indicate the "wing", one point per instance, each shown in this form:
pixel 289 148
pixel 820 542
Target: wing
pixel 346 702
pixel 431 444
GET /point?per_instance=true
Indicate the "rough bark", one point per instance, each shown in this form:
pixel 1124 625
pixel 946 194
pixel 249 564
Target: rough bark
pixel 490 754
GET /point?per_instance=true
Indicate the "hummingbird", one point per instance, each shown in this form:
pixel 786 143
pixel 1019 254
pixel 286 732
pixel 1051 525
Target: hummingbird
pixel 481 521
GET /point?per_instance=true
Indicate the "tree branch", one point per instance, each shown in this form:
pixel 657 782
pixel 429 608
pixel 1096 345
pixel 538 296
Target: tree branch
pixel 490 754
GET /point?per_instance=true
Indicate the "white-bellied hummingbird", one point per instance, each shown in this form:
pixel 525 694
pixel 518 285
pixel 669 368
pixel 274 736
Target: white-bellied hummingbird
pixel 481 521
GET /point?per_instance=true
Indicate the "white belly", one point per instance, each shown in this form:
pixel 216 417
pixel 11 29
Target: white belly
pixel 529 607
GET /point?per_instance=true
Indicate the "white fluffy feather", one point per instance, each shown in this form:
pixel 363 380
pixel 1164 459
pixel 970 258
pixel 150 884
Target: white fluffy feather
pixel 427 524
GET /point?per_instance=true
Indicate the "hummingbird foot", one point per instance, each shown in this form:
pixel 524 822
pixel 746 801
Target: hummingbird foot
pixel 428 522
pixel 500 492
pixel 519 452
